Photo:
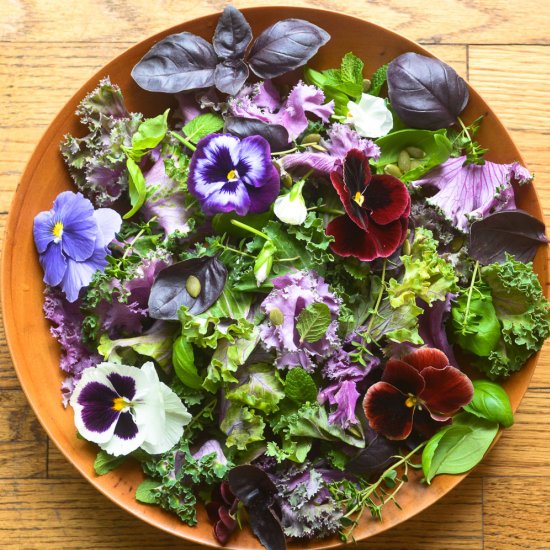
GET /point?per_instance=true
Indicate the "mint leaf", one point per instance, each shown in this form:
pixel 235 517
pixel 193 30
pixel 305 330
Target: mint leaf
pixel 202 126
pixel 105 463
pixel 300 386
pixel 313 322
pixel 378 79
pixel 351 69
pixel 136 187
pixel 491 402
pixel 146 491
pixel 150 132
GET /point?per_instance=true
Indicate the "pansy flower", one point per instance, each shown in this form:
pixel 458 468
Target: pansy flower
pixel 420 391
pixel 72 240
pixel 229 174
pixel 122 408
pixel 370 117
pixel 377 210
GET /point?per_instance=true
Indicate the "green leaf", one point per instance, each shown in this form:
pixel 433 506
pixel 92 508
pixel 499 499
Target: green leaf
pixel 146 491
pixel 183 360
pixel 300 386
pixel 491 402
pixel 351 69
pixel 105 463
pixel 150 132
pixel 461 446
pixel 242 427
pixel 435 144
pixel 202 126
pixel 136 187
pixel 313 322
pixel 378 79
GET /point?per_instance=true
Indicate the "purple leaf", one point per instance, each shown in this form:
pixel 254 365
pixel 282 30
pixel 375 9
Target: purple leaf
pixel 275 134
pixel 230 75
pixel 170 289
pixel 179 62
pixel 425 92
pixel 285 46
pixel 509 232
pixel 233 34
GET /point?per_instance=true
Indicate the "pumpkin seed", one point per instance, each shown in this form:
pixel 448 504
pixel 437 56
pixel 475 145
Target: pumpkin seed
pixel 311 138
pixel 276 316
pixel 393 170
pixel 193 286
pixel 404 161
pixel 366 84
pixel 415 152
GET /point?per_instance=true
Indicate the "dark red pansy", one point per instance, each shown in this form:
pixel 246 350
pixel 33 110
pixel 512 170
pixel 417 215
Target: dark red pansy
pixel 377 210
pixel 421 391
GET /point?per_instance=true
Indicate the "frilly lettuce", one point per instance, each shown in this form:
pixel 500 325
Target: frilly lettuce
pixel 242 426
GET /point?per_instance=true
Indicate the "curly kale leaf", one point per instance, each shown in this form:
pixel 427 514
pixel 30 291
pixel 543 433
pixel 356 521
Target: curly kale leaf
pixel 523 312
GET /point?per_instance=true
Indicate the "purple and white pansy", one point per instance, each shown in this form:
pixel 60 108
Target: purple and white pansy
pixel 123 408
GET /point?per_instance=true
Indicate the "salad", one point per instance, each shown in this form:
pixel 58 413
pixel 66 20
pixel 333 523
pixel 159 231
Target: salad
pixel 286 301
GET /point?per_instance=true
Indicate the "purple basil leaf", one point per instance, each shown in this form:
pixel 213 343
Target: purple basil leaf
pixel 511 231
pixel 425 92
pixel 233 34
pixel 285 46
pixel 267 527
pixel 169 291
pixel 230 76
pixel 275 134
pixel 375 458
pixel 178 63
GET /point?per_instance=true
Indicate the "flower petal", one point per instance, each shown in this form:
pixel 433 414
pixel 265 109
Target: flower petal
pixel 386 411
pixel 79 274
pixel 403 376
pixel 446 391
pixel 387 198
pixel 125 386
pixel 232 196
pixel 254 162
pixel 426 425
pixel 126 438
pixel 108 222
pixel 427 357
pixel 43 230
pixel 370 117
pixel 54 264
pixel 263 197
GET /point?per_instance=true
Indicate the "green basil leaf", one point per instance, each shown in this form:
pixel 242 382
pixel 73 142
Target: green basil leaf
pixel 202 126
pixel 105 463
pixel 183 359
pixel 150 132
pixel 491 402
pixel 300 386
pixel 145 491
pixel 461 447
pixel 313 322
pixel 429 449
pixel 136 187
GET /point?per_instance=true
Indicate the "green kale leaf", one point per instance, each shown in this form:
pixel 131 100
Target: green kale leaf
pixel 242 427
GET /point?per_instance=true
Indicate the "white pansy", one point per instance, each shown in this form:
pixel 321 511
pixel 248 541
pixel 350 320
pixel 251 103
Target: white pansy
pixel 122 408
pixel 371 118
pixel 291 208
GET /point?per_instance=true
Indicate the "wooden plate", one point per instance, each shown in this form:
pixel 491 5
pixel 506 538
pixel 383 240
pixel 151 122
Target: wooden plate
pixel 35 353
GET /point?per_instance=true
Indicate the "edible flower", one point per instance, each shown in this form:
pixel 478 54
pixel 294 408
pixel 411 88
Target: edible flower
pixel 377 210
pixel 419 391
pixel 370 117
pixel 291 208
pixel 467 192
pixel 228 174
pixel 72 240
pixel 122 408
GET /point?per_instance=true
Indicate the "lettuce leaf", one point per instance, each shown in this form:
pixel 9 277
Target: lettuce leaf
pixel 242 427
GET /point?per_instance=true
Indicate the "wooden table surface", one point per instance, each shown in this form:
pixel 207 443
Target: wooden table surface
pixel 48 48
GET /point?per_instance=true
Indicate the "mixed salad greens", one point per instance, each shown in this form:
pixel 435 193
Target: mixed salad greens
pixel 284 300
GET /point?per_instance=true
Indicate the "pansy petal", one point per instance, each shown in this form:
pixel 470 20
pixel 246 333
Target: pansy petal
pixel 427 357
pixel 125 386
pixel 261 198
pixel 386 239
pixel 426 425
pixel 108 222
pixel 350 240
pixel 126 438
pixel 402 376
pixel 386 411
pixel 446 391
pixel 79 274
pixel 233 196
pixel 387 198
pixel 54 264
pixel 254 160
pixel 44 223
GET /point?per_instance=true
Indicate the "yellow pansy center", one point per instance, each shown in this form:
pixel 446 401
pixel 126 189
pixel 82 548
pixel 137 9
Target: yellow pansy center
pixel 232 175
pixel 57 231
pixel 119 404
pixel 359 199
pixel 411 401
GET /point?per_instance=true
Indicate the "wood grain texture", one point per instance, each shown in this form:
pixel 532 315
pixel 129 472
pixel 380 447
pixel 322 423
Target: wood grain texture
pixel 49 47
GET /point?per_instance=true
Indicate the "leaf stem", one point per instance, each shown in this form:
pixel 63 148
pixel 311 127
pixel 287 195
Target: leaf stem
pixel 278 153
pixel 469 300
pixel 186 142
pixel 378 300
pixel 246 227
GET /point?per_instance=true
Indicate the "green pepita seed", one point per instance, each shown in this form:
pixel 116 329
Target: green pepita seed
pixel 311 138
pixel 276 316
pixel 457 243
pixel 393 170
pixel 193 286
pixel 286 180
pixel 407 247
pixel 404 161
pixel 415 164
pixel 366 84
pixel 415 152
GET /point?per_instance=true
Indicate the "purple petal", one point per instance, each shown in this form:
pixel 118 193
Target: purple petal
pixel 79 226
pixel 126 428
pixel 97 413
pixel 108 222
pixel 79 274
pixel 254 161
pixel 125 386
pixel 44 223
pixel 232 196
pixel 320 162
pixel 54 264
pixel 341 139
pixel 262 197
